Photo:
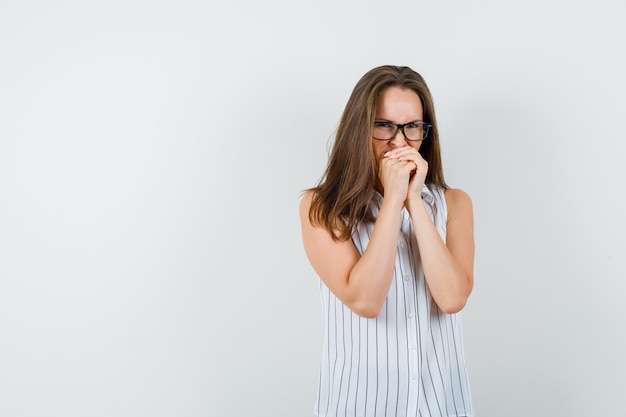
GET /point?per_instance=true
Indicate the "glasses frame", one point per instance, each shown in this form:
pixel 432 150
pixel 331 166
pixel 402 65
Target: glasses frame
pixel 399 127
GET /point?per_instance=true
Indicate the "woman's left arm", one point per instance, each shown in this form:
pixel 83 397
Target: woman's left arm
pixel 448 267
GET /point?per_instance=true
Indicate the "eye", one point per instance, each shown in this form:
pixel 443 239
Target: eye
pixel 384 126
pixel 415 125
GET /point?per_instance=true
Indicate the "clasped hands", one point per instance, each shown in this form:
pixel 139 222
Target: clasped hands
pixel 402 173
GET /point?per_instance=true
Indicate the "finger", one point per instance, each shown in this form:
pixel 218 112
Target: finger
pixel 394 167
pixel 406 167
pixel 403 153
pixel 397 152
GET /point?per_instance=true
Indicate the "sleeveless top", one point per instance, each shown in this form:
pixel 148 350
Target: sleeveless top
pixel 408 361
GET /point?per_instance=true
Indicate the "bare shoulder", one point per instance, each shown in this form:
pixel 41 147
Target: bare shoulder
pixel 305 204
pixel 457 196
pixel 459 203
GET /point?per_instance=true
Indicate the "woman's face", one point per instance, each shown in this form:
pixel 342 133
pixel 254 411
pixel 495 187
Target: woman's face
pixel 401 106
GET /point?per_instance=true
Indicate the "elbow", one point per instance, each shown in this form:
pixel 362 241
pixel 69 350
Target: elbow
pixel 454 300
pixel 366 310
pixel 367 313
pixel 365 303
pixel 452 306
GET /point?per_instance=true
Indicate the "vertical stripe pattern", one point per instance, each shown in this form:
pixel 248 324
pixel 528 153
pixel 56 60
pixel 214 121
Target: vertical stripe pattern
pixel 408 361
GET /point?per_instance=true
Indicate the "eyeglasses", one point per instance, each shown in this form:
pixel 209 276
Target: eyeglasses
pixel 414 131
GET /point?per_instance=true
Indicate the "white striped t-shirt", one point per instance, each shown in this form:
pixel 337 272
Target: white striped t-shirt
pixel 409 360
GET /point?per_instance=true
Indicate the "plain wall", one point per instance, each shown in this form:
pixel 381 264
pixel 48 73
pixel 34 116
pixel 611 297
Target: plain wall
pixel 152 155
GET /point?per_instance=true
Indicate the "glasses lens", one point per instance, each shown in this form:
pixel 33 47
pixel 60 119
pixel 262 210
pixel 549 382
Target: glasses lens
pixel 383 130
pixel 415 131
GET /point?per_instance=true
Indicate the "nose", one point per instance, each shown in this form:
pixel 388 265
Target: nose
pixel 398 140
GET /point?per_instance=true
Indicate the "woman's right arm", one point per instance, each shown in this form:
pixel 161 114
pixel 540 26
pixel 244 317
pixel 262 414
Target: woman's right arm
pixel 360 282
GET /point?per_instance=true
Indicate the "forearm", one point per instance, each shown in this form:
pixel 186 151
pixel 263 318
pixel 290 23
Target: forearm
pixel 449 284
pixel 371 277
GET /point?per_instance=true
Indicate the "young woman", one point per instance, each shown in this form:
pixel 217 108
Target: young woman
pixel 394 248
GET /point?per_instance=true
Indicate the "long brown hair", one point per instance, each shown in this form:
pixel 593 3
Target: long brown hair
pixel 341 199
